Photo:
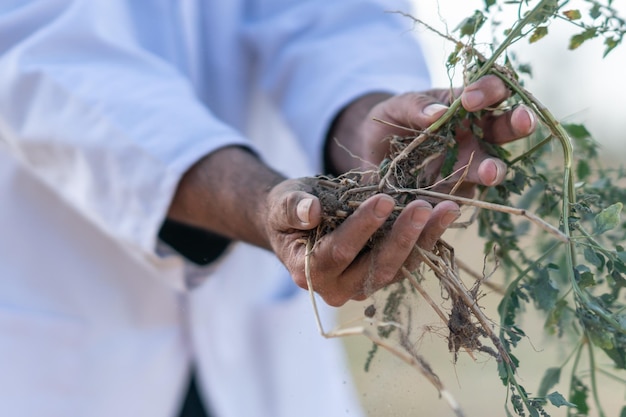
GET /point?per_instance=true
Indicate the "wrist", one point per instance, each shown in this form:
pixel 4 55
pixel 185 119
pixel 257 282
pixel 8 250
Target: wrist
pixel 226 193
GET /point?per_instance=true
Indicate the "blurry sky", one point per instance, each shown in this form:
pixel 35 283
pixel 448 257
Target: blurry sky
pixel 577 86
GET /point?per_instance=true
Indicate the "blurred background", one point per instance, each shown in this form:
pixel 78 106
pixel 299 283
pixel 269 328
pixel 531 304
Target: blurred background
pixel 578 87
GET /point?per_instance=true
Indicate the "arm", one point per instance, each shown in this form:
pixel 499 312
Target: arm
pixel 106 125
pixel 255 204
pixel 226 193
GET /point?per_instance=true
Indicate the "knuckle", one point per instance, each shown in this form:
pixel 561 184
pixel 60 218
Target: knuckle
pixel 334 299
pixel 428 240
pixel 405 242
pixel 386 275
pixel 301 282
pixel 340 255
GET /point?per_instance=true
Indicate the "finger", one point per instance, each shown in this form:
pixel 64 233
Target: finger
pixel 403 113
pixel 411 110
pixel 483 168
pixel 487 91
pixel 380 266
pixel 512 125
pixel 443 215
pixel 491 171
pixel 337 250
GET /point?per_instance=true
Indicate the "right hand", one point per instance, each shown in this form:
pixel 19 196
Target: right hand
pixel 338 268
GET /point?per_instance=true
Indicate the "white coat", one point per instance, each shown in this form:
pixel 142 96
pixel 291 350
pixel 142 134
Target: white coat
pixel 103 106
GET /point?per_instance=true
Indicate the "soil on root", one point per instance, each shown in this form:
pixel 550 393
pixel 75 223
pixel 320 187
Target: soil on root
pixel 420 168
pixel 341 196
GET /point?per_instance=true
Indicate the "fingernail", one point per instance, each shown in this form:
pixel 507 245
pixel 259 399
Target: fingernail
pixel 420 216
pixel 302 210
pixel 449 218
pixel 497 170
pixel 383 207
pixel 473 99
pixel 492 169
pixel 530 118
pixel 433 109
pixel 500 170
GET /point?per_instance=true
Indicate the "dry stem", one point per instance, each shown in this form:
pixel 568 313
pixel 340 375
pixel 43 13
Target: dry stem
pixel 411 358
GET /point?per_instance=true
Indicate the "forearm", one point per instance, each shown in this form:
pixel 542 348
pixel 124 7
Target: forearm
pixel 226 193
pixel 345 148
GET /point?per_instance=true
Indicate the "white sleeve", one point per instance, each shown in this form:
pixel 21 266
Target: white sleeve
pixel 316 56
pixel 110 127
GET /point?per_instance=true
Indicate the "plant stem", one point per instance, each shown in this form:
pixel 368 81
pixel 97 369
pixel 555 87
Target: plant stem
pixel 532 150
pixel 574 371
pixel 594 384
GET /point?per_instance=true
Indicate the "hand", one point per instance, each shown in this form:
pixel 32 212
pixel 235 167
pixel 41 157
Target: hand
pixel 357 130
pixel 338 268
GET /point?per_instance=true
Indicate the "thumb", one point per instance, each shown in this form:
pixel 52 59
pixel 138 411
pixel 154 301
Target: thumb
pixel 307 212
pixel 299 210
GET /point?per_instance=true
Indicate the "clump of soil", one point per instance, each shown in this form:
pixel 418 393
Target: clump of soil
pixel 341 196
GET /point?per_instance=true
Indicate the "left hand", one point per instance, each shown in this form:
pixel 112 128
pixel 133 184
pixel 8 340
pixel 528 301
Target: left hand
pixel 357 130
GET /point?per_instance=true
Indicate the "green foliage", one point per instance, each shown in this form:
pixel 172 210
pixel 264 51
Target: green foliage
pixel 601 21
pixel 558 400
pixel 538 33
pixel 472 24
pixel 550 379
pixel 450 159
pixel 572 14
pixel 577 285
pixel 571 269
pixel 579 395
pixel 542 290
pixel 609 218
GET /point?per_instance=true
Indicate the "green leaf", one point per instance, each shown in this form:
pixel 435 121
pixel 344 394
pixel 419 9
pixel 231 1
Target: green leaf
pixel 454 57
pixel 621 253
pixel 579 39
pixel 618 355
pixel 543 291
pixel 584 277
pixel 525 69
pixel 578 396
pixel 533 412
pixel 469 26
pixel 549 380
pixel 610 43
pixel 558 400
pixel 608 218
pixel 583 170
pixel 555 323
pixel 450 159
pixel 601 338
pixel 594 258
pixel 503 373
pixel 572 14
pixel 545 12
pixel 623 412
pixel 489 3
pixel 538 33
pixel 595 11
pixel 577 131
